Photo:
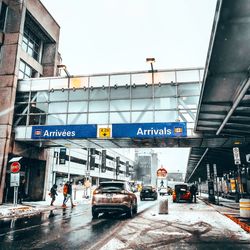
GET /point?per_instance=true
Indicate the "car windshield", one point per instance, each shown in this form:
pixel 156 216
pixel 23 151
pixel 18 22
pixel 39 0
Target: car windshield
pixel 147 188
pixel 111 187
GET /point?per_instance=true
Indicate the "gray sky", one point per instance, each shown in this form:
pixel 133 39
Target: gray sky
pixel 104 36
pixel 99 36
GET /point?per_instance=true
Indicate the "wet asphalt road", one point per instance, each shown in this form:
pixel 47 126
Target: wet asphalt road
pixel 186 226
pixel 60 229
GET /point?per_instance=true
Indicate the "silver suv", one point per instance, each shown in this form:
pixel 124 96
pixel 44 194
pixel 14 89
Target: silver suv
pixel 114 196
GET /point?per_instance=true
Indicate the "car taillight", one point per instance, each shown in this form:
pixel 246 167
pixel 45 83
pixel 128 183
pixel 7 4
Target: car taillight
pixel 97 191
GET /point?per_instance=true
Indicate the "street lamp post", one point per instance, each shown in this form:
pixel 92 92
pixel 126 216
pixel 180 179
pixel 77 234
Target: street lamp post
pixel 68 147
pixel 64 68
pixel 151 60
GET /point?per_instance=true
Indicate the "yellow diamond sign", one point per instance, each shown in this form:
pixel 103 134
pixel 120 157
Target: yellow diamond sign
pixel 104 132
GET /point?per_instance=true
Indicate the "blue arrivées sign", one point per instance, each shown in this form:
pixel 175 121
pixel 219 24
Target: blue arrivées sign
pixel 126 130
pixel 149 130
pixel 64 131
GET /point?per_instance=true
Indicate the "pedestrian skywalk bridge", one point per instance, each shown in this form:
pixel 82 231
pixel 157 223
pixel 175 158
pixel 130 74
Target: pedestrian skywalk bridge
pixel 131 109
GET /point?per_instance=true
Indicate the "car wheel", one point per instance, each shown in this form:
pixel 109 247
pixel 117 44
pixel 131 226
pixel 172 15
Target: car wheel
pixel 135 209
pixel 142 199
pixel 129 214
pixel 94 215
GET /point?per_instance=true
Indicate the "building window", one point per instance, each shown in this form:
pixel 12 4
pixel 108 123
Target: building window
pixel 3 14
pixel 25 71
pixel 31 44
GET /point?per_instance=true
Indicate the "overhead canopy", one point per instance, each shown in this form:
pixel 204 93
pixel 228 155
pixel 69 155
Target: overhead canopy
pixel 224 106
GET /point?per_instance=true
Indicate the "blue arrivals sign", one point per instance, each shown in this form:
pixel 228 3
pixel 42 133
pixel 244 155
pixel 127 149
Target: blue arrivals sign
pixel 149 130
pixel 64 131
pixel 129 130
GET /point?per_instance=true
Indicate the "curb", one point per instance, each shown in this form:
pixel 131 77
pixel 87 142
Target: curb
pixel 243 225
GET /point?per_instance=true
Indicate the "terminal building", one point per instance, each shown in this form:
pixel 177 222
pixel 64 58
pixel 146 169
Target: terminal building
pixel 29 40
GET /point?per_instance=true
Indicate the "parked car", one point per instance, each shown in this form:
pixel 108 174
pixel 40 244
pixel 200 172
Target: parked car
pixel 114 196
pixel 148 191
pixel 181 192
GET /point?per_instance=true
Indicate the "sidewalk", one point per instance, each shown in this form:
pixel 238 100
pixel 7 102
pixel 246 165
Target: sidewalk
pixel 229 208
pixel 34 207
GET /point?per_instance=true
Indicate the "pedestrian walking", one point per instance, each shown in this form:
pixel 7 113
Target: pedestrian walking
pixel 53 193
pixel 162 183
pixel 67 192
pixel 87 185
pixel 193 191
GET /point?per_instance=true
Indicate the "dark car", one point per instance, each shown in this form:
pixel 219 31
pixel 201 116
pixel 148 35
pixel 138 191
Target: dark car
pixel 148 192
pixel 181 192
pixel 114 196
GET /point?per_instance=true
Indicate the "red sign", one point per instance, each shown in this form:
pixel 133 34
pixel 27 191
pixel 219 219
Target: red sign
pixel 161 172
pixel 15 167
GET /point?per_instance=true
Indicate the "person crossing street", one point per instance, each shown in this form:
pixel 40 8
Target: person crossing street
pixel 67 193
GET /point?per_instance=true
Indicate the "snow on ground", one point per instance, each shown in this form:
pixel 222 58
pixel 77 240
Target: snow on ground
pixel 34 207
pixel 185 223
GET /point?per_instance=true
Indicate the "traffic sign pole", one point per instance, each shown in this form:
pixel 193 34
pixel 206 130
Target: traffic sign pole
pixel 15 179
pixel 15 196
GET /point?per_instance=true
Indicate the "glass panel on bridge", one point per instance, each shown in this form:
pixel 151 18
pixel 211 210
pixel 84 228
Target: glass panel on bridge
pixel 59 83
pixel 119 105
pixel 79 107
pixel 98 106
pixel 188 89
pixel 58 107
pixel 124 92
pixel 142 92
pixel 120 117
pixel 165 103
pixel 120 80
pixel 164 77
pixel 56 119
pixel 77 118
pixel 142 104
pixel 58 96
pixel 98 118
pixel 100 94
pixel 187 76
pixel 165 90
pixel 166 116
pixel 40 84
pixel 78 94
pixel 99 81
pixel 142 78
pixel 140 117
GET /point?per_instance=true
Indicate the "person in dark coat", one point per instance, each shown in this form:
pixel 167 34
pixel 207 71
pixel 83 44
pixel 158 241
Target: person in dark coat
pixel 193 191
pixel 21 191
pixel 53 193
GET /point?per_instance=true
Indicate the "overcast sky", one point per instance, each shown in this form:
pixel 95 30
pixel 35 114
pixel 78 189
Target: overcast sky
pixel 99 36
pixel 104 36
